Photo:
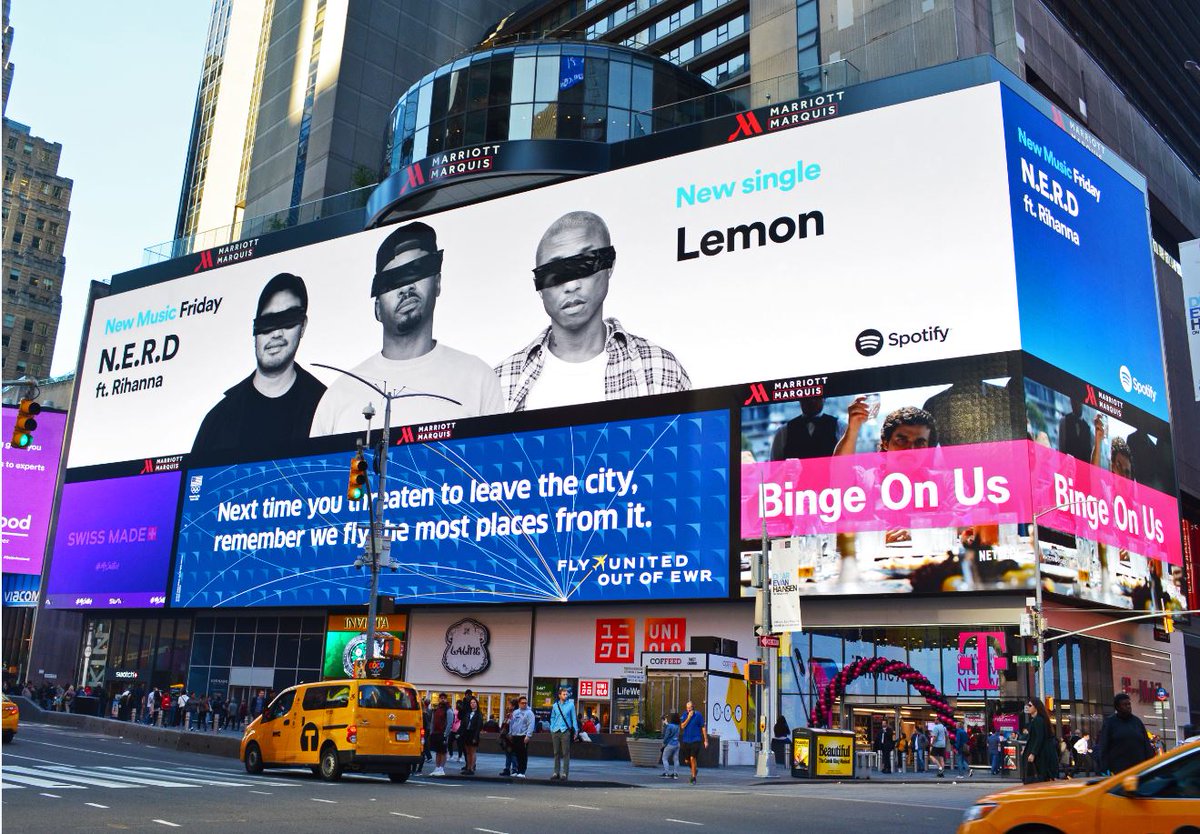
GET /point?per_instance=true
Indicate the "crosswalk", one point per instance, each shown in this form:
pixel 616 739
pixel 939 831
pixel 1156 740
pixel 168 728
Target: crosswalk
pixel 69 777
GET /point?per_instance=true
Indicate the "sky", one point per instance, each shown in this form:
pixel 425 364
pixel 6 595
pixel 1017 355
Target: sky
pixel 115 84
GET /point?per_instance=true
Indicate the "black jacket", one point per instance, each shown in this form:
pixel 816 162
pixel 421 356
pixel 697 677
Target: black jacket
pixel 1122 743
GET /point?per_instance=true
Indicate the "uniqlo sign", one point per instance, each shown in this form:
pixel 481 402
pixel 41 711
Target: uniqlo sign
pixel 665 634
pixel 614 640
pixel 593 689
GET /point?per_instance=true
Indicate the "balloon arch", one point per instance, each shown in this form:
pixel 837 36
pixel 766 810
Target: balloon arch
pixel 823 715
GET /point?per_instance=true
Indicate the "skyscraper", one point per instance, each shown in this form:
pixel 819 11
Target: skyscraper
pixel 36 201
pixel 295 94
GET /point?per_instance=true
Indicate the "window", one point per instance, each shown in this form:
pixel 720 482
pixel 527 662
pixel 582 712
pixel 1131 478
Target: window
pixel 281 705
pixel 1177 779
pixel 14 275
pixel 4 341
pixel 45 188
pixel 57 191
pixel 22 218
pixel 12 143
pixel 24 346
pixel 28 148
pixel 17 238
pixel 53 228
pixel 38 348
pixel 42 329
pixel 22 367
pixel 28 325
pixel 37 242
pixel 9 320
pixel 39 224
pixel 378 696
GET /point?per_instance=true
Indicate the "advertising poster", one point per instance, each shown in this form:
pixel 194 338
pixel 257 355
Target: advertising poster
pixel 919 487
pixel 1189 259
pixel 112 546
pixel 785 578
pixel 28 486
pixel 675 261
pixel 631 509
pixel 343 648
pixel 835 754
pixel 1082 231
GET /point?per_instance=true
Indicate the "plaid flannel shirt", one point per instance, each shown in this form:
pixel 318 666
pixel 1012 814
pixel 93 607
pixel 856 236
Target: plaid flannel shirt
pixel 636 367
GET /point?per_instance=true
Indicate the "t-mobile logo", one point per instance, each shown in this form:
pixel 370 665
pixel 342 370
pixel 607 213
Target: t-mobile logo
pixel 984 667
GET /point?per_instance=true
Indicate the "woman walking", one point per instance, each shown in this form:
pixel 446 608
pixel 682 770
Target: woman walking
pixel 468 735
pixel 670 755
pixel 1041 750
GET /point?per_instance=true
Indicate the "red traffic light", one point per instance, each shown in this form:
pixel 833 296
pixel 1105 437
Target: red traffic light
pixel 22 436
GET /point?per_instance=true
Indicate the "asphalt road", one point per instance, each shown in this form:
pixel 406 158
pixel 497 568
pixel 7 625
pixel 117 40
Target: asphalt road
pixel 56 779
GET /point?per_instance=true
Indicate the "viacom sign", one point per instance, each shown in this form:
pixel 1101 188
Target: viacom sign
pixel 1130 384
pixel 21 590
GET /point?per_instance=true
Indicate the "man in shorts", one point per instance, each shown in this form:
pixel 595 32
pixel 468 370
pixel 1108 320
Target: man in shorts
pixel 937 747
pixel 439 728
pixel 691 737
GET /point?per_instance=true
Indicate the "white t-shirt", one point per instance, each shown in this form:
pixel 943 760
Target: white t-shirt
pixel 444 370
pixel 567 383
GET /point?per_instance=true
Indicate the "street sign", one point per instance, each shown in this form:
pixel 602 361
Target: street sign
pixel 634 674
pixel 1161 694
pixel 1025 658
pixel 768 641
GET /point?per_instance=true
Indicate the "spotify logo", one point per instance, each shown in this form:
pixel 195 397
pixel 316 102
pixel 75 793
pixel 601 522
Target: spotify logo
pixel 869 342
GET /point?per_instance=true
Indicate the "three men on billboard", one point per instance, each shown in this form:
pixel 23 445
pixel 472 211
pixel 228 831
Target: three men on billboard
pixel 582 356
pixel 274 406
pixel 437 382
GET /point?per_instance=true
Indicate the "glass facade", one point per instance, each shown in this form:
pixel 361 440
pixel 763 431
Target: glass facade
pixel 551 90
pixel 290 649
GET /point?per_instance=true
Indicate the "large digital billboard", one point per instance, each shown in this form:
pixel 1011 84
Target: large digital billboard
pixel 112 544
pixel 28 485
pixel 696 271
pixel 617 327
pixel 628 510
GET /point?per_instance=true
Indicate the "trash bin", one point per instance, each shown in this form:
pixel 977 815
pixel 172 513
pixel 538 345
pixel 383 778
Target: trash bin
pixel 823 754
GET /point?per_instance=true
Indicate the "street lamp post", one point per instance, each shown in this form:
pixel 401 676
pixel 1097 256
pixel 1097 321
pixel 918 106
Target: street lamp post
pixel 378 548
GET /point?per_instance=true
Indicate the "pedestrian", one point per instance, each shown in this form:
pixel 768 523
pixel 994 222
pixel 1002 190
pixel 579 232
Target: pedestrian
pixel 506 743
pixel 887 746
pixel 781 737
pixel 232 714
pixel 185 710
pixel 202 710
pixel 468 735
pixel 995 757
pixel 460 710
pixel 440 724
pixel 259 705
pixel 564 728
pixel 901 751
pixel 426 718
pixel 1083 750
pixel 937 747
pixel 167 717
pixel 670 749
pixel 520 731
pixel 962 750
pixel 1123 740
pixel 691 736
pixel 920 749
pixel 1040 756
pixel 216 708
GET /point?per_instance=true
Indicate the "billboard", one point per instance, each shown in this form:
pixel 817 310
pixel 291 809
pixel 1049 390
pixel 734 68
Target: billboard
pixel 112 545
pixel 1085 272
pixel 931 485
pixel 625 510
pixel 682 257
pixel 28 486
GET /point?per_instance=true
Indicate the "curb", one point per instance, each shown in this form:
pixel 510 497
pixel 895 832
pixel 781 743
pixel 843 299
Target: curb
pixel 508 780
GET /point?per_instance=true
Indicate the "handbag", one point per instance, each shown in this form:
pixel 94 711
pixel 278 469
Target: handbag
pixel 457 724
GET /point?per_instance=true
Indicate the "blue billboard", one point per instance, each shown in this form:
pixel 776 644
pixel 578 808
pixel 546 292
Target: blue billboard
pixel 1085 276
pixel 624 510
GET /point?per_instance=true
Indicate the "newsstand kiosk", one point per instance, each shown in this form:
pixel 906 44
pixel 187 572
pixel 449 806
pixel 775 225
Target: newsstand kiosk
pixel 822 754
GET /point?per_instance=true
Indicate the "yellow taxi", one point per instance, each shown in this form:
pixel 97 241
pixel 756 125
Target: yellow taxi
pixel 364 726
pixel 10 718
pixel 1158 796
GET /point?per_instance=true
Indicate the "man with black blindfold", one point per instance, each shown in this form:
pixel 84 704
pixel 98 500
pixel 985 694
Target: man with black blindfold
pixel 272 408
pixel 582 357
pixel 437 382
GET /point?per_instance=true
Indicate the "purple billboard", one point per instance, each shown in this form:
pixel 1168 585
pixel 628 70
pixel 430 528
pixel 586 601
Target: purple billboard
pixel 112 547
pixel 28 485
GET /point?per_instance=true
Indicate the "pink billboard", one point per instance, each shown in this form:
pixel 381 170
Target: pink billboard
pixel 28 484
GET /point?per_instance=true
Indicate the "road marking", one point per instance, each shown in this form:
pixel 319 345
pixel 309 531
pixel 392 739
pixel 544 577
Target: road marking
pixel 327 801
pixel 585 807
pixel 165 822
pixel 406 816
pixel 11 774
pixel 52 795
pixel 684 822
pixel 489 831
pixel 262 793
pixel 503 798
pixel 95 804
pixel 435 784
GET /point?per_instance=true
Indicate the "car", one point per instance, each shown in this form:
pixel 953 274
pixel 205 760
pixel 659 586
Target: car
pixel 11 718
pixel 334 726
pixel 1161 794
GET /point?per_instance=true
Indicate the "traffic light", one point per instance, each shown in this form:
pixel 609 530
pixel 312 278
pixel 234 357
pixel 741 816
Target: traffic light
pixel 358 478
pixel 22 435
pixel 754 672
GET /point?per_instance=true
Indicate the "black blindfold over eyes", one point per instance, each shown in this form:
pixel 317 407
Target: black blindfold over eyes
pixel 292 317
pixel 405 274
pixel 577 266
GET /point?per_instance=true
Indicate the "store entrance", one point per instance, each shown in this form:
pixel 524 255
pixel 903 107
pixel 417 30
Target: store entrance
pixel 665 693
